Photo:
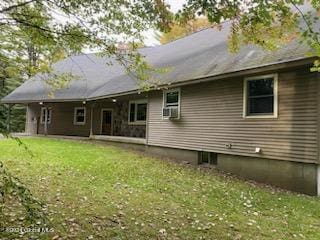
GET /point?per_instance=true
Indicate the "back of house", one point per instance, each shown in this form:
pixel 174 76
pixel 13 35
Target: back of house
pixel 254 113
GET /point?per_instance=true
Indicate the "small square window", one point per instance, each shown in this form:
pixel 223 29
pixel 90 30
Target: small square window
pixel 79 116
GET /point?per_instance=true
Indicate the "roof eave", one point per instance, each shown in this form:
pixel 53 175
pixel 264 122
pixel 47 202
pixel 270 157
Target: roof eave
pixel 26 101
pixel 252 70
pixel 267 67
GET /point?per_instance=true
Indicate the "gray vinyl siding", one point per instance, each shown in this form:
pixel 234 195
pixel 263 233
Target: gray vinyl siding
pixel 212 117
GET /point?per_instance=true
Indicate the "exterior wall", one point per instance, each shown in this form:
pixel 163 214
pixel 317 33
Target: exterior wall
pixel 61 119
pixel 211 118
pixel 63 116
pixel 299 177
pixel 180 155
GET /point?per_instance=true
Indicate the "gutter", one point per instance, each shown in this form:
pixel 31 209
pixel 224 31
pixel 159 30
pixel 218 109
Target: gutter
pixel 42 100
pixel 207 78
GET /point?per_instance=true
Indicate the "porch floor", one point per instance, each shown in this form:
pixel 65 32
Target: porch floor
pixel 120 139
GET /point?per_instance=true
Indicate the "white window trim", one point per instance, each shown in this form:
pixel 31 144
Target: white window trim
pixel 164 101
pixel 275 95
pixel 75 116
pixel 41 115
pixel 136 102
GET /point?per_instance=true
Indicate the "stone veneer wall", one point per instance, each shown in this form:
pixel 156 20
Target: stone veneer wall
pixel 120 122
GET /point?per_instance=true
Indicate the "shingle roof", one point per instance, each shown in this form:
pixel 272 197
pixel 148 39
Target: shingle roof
pixel 198 55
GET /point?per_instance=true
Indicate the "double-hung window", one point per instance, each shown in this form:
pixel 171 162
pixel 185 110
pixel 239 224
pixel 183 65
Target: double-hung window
pixel 137 112
pixel 171 104
pixel 45 113
pixel 79 116
pixel 171 98
pixel 261 96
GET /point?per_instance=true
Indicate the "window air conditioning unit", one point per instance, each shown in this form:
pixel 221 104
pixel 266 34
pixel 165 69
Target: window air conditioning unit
pixel 170 112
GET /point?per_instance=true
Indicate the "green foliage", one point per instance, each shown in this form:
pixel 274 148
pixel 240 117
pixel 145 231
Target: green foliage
pixel 268 24
pixel 36 34
pixel 178 30
pixel 17 112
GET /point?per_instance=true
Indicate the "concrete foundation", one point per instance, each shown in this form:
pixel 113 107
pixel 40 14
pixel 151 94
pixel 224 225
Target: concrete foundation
pixel 180 155
pixel 295 176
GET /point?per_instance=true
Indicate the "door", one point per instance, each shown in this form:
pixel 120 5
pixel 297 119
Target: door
pixel 106 122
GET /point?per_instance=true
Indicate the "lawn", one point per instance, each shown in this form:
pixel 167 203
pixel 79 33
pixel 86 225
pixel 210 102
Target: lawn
pixel 95 191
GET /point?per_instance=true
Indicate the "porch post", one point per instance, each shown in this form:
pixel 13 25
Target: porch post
pixel 46 121
pixel 91 119
pixel 9 118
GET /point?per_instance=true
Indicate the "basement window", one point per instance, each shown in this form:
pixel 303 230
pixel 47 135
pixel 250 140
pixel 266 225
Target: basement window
pixel 137 112
pixel 260 96
pixel 79 116
pixel 45 111
pixel 207 158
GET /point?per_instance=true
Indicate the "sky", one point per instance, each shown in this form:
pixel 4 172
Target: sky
pixel 150 39
pixel 175 4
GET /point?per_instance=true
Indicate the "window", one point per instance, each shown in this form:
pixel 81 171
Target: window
pixel 171 104
pixel 208 158
pixel 45 111
pixel 138 112
pixel 260 96
pixel 171 98
pixel 79 116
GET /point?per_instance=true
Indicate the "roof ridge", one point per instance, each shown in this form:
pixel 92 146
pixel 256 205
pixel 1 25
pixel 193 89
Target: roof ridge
pixel 193 33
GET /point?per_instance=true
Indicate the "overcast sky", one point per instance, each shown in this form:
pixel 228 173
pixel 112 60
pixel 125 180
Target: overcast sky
pixel 175 5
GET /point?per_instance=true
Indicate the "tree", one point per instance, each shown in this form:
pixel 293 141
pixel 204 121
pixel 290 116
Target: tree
pixel 260 22
pixel 34 34
pixel 48 27
pixel 178 30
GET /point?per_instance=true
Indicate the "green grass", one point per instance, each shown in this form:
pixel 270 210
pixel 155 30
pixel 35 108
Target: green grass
pixel 102 192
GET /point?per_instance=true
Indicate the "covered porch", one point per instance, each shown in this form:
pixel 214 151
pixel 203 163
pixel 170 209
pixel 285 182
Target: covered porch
pixel 112 119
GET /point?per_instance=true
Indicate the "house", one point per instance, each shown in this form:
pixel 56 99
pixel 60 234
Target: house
pixel 254 113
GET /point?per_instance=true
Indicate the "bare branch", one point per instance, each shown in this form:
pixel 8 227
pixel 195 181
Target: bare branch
pixel 16 6
pixel 315 38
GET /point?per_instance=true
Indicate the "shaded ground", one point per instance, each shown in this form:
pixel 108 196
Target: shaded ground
pixel 99 192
